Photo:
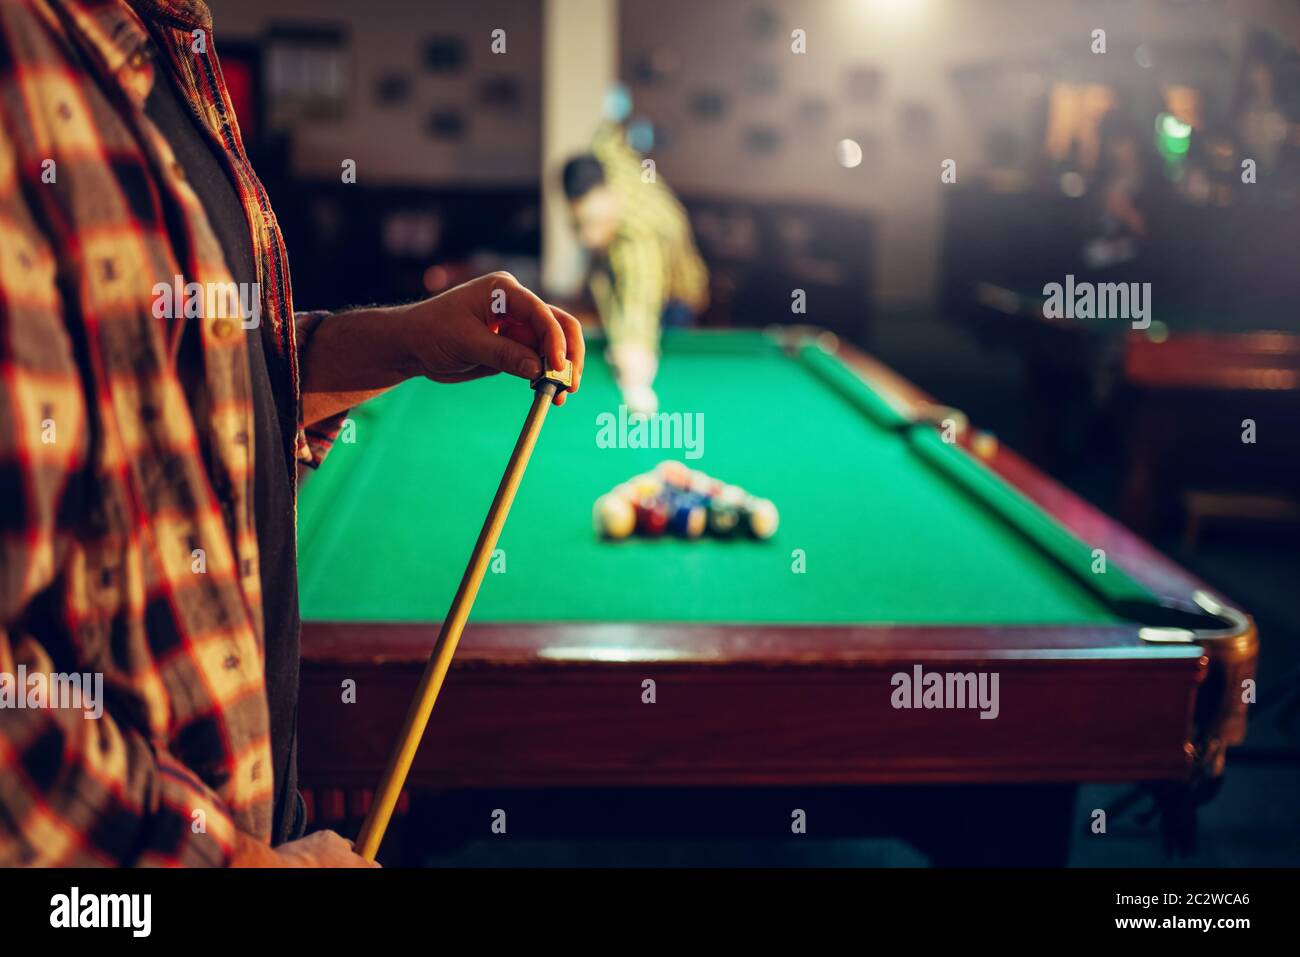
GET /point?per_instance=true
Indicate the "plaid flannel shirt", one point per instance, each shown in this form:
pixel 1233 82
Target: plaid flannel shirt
pixel 105 496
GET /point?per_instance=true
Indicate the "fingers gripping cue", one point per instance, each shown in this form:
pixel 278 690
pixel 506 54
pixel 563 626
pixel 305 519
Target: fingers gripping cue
pixel 371 836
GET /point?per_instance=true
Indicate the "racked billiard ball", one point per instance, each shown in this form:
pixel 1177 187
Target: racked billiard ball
pixel 723 517
pixel 614 516
pixel 732 495
pixel 689 517
pixel 652 516
pixel 646 486
pixel 704 485
pixel 674 474
pixel 761 518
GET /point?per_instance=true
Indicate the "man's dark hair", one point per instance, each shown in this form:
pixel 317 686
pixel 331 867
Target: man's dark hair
pixel 581 175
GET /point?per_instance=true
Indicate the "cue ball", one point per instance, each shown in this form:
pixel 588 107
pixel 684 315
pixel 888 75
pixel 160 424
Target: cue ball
pixel 614 516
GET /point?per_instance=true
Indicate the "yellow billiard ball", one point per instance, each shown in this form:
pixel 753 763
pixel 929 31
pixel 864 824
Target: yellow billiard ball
pixel 763 518
pixel 613 516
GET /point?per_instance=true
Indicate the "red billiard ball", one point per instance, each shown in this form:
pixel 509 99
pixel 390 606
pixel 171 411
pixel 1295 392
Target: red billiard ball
pixel 652 517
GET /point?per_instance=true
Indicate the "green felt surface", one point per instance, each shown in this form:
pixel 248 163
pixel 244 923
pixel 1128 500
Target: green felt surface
pixel 892 526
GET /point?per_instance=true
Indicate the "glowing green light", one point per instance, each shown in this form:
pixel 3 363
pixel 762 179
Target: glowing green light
pixel 1173 136
pixel 1172 126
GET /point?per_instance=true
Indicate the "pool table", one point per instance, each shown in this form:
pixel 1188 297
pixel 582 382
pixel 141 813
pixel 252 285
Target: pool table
pixel 1176 391
pixel 907 540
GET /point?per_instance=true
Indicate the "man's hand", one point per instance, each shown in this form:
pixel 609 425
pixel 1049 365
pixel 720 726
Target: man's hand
pixel 321 849
pixel 318 849
pixel 487 325
pixel 492 324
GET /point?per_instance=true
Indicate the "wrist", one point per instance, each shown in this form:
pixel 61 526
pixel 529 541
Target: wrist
pixel 409 327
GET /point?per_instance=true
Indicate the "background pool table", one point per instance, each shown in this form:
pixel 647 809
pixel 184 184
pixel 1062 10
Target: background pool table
pixel 1176 392
pixel 913 550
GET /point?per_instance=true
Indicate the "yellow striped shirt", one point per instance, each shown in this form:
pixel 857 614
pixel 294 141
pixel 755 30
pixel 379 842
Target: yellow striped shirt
pixel 652 259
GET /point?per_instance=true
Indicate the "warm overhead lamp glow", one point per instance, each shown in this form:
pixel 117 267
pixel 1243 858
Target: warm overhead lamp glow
pixel 900 9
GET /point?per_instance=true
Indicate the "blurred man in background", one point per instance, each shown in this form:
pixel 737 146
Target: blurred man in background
pixel 646 272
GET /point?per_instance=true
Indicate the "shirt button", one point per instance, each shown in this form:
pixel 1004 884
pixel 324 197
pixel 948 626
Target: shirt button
pixel 136 60
pixel 223 328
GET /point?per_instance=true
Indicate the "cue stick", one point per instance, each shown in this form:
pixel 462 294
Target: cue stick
pixel 417 716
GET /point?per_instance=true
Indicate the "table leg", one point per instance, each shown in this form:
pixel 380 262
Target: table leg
pixel 1144 441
